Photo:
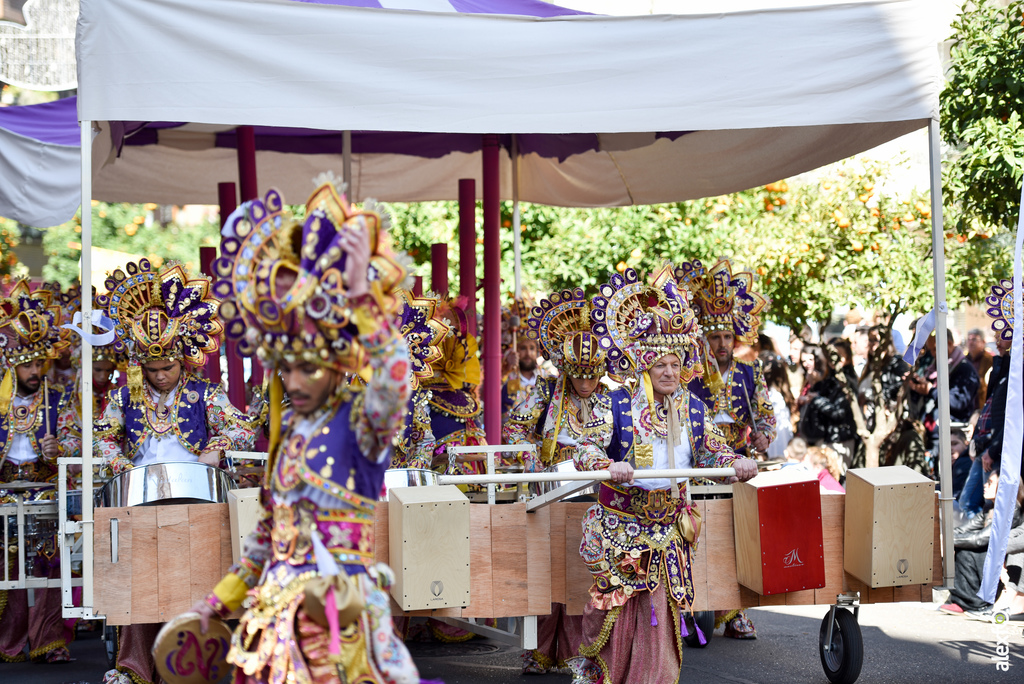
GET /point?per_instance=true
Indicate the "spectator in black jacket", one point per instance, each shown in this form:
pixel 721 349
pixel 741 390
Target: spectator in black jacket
pixel 987 442
pixel 963 389
pixel 826 417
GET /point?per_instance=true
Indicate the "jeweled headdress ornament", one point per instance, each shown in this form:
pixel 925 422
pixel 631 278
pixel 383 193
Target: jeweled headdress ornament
pixel 639 321
pixel 561 324
pixel 282 280
pixel 424 331
pixel 459 364
pixel 29 330
pixel 999 307
pixel 161 314
pixel 724 301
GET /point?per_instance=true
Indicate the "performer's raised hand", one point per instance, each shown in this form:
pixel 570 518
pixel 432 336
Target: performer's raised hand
pixel 759 441
pixel 205 611
pixel 355 240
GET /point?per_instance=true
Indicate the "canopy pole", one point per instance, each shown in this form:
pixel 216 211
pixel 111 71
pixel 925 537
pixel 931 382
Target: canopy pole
pixel 439 267
pixel 492 290
pixel 467 248
pixel 516 230
pixel 250 190
pixel 346 165
pixel 87 417
pixel 941 353
pixel 228 200
pixel 207 255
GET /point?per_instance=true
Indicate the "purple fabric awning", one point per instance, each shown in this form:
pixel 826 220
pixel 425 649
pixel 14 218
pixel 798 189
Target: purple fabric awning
pixel 52 122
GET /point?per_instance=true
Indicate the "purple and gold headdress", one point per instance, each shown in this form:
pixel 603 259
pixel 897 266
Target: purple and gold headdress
pixel 999 307
pixel 724 301
pixel 424 331
pixel 639 321
pixel 29 330
pixel 282 281
pixel 561 324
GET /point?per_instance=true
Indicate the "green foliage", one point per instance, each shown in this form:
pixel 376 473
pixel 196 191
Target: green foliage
pixel 981 109
pixel 9 235
pixel 835 241
pixel 131 228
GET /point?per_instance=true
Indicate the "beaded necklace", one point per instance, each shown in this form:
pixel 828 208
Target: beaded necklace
pixel 26 418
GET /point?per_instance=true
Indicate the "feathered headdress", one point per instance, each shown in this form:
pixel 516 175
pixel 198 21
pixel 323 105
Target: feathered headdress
pixel 999 307
pixel 29 330
pixel 161 314
pixel 639 321
pixel 459 364
pixel 424 332
pixel 724 301
pixel 282 281
pixel 561 324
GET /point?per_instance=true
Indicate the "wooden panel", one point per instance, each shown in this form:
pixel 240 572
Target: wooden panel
pixel 380 534
pixel 508 552
pixel 747 531
pixel 145 565
pixel 558 550
pixel 244 511
pixel 205 548
pixel 538 561
pixel 112 582
pixel 832 510
pixel 937 579
pixel 724 592
pixel 578 579
pixel 481 597
pixel 172 544
pixel 699 566
pixel 429 542
pixel 799 598
pixel 227 554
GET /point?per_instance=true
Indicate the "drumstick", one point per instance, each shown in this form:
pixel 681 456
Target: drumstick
pixel 46 403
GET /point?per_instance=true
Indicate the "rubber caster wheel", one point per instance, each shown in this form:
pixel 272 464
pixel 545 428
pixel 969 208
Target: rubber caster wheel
pixel 705 619
pixel 110 643
pixel 844 656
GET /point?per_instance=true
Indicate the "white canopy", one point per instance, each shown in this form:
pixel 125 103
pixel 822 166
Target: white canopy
pixel 739 98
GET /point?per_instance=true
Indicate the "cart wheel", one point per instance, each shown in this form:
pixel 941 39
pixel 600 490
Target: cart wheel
pixel 706 621
pixel 843 660
pixel 110 643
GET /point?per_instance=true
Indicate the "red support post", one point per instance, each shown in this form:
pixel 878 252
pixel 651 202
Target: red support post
pixel 249 188
pixel 236 370
pixel 439 267
pixel 207 255
pixel 417 285
pixel 492 290
pixel 467 247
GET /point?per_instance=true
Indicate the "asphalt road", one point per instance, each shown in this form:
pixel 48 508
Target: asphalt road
pixel 903 643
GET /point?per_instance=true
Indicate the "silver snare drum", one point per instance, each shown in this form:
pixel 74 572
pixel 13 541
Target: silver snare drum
pixel 567 466
pixel 181 482
pixel 407 477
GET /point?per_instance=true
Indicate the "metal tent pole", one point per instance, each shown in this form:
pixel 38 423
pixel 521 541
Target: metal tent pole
pixel 88 526
pixel 516 240
pixel 941 354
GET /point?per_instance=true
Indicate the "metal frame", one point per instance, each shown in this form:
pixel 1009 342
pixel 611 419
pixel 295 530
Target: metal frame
pixel 71 539
pixel 454 451
pixel 521 632
pixel 851 600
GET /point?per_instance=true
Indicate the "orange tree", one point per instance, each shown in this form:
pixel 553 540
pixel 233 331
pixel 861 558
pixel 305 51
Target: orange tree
pixel 9 235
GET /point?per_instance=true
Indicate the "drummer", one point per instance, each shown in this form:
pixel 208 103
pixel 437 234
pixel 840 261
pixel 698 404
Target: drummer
pixel 166 413
pixel 30 414
pixel 637 542
pixel 320 611
pixel 728 310
pixel 557 414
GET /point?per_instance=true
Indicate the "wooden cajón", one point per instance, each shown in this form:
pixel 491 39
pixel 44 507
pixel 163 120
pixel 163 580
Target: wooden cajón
pixel 428 531
pixel 890 517
pixel 777 522
pixel 244 511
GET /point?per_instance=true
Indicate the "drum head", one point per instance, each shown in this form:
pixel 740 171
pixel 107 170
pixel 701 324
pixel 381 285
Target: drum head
pixel 184 656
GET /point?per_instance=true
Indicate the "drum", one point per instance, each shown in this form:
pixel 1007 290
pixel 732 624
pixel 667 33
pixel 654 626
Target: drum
pixel 567 466
pixel 182 482
pixel 184 656
pixel 407 477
